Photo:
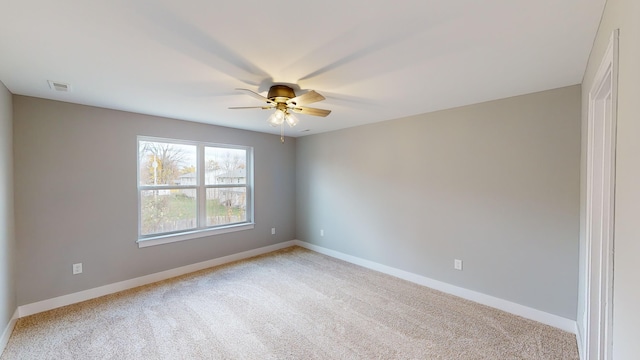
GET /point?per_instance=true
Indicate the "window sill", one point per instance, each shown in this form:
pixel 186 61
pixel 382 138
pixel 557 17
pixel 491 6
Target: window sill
pixel 196 234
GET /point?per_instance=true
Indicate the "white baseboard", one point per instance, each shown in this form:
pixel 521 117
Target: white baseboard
pixel 49 304
pixel 508 306
pixel 6 334
pixel 504 305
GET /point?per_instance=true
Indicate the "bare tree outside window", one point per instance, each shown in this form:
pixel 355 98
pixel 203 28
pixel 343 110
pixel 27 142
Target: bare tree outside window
pixel 163 163
pixel 167 208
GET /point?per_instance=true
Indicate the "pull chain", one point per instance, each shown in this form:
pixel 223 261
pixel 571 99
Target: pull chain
pixel 282 133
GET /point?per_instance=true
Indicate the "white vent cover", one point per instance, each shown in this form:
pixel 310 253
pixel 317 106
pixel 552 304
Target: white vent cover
pixel 58 86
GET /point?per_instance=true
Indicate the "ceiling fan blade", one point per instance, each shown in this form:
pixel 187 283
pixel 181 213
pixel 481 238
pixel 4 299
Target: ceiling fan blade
pixel 311 111
pixel 252 107
pixel 306 98
pixel 256 95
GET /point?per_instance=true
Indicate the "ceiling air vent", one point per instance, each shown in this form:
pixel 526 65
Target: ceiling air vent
pixel 58 86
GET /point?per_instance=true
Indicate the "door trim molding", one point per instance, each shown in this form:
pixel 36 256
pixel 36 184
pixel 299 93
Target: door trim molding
pixel 606 78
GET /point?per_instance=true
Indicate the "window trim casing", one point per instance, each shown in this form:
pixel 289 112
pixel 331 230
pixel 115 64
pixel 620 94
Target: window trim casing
pixel 201 230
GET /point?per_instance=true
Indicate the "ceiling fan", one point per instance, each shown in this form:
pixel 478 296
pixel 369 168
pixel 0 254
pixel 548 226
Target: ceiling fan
pixel 284 100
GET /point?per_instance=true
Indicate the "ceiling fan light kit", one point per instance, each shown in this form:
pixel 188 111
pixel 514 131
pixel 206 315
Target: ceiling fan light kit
pixel 291 119
pixel 284 100
pixel 276 118
pixel 280 116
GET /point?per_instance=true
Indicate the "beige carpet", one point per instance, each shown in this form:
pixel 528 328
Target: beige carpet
pixel 291 304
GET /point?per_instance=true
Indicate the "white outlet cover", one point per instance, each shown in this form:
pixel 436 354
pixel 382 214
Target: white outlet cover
pixel 77 268
pixel 273 231
pixel 321 232
pixel 457 264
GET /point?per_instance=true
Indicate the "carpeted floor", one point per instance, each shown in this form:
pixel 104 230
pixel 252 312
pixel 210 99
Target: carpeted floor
pixel 290 304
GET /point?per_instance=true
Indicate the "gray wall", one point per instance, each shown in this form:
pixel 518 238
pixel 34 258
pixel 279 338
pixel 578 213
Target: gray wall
pixel 75 196
pixel 623 15
pixel 7 239
pixel 494 184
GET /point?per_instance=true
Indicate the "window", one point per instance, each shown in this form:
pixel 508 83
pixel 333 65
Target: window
pixel 192 189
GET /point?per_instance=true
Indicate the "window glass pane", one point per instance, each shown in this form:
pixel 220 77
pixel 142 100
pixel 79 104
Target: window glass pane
pixel 167 210
pixel 226 205
pixel 225 166
pixel 166 163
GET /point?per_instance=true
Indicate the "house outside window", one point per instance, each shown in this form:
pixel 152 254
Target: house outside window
pixel 190 189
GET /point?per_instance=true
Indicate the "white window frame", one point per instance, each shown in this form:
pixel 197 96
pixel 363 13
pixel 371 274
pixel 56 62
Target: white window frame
pixel 201 229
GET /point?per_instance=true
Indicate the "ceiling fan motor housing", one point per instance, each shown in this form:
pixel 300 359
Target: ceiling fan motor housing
pixel 280 93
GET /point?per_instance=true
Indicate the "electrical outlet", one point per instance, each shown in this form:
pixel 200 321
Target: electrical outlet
pixel 321 232
pixel 273 231
pixel 77 268
pixel 457 264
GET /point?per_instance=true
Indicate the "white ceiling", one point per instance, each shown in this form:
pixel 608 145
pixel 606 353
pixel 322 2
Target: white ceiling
pixel 373 60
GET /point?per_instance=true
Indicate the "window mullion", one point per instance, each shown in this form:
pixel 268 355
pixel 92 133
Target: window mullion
pixel 166 187
pixel 225 186
pixel 202 192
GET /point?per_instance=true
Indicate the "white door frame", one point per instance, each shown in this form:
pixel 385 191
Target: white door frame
pixel 599 254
